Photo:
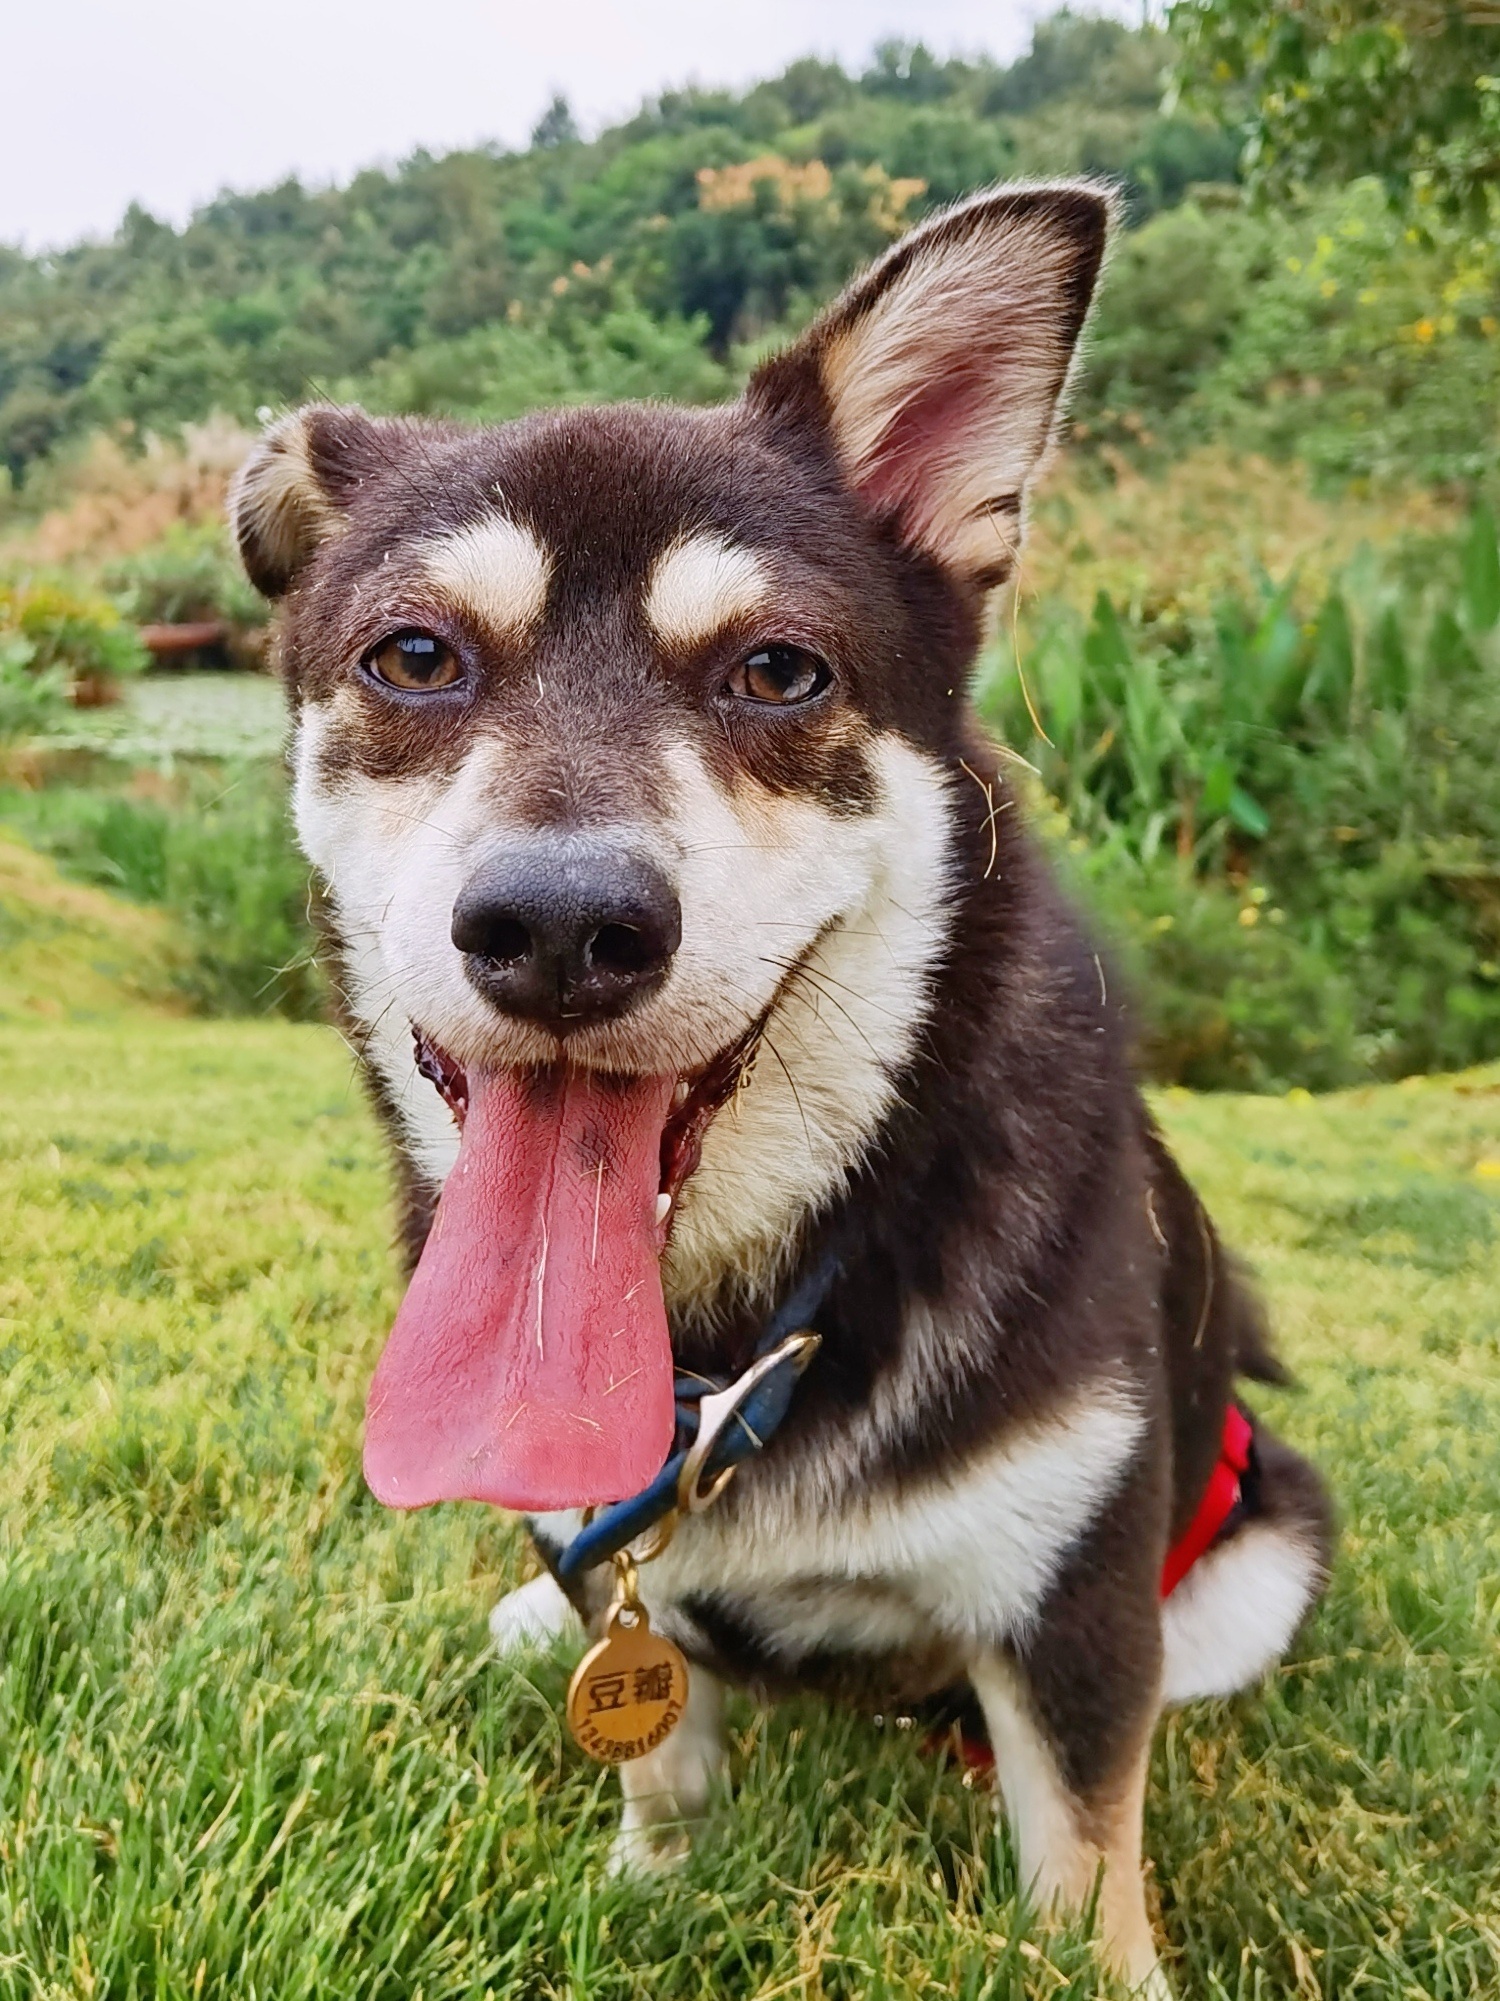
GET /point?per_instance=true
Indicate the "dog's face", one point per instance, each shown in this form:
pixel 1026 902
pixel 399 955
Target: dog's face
pixel 624 737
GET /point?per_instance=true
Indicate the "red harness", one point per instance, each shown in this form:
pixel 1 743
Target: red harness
pixel 1220 1499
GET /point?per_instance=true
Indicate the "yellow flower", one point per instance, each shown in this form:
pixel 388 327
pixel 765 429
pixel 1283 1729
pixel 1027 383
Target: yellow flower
pixel 1294 264
pixel 1249 915
pixel 1487 1170
pixel 1328 287
pixel 1299 1095
pixel 734 186
pixel 1424 330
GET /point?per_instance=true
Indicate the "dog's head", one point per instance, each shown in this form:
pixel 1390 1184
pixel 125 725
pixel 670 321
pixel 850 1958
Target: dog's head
pixel 624 741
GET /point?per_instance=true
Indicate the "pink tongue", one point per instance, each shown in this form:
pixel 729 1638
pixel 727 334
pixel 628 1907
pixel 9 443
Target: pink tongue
pixel 530 1364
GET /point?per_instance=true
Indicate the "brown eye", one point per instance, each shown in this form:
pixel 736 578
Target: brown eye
pixel 414 661
pixel 780 675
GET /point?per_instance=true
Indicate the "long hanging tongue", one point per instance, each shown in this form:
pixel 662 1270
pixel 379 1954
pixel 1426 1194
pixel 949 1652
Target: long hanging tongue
pixel 530 1364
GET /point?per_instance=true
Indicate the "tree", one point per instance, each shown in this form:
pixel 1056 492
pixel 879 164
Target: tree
pixel 1068 53
pixel 556 126
pixel 1405 89
pixel 910 71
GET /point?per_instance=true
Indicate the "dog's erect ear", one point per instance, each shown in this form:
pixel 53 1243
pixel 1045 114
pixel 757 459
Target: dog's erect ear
pixel 938 375
pixel 289 496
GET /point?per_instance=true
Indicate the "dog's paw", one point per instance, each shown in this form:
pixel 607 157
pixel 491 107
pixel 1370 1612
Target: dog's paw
pixel 648 1851
pixel 1155 1987
pixel 533 1616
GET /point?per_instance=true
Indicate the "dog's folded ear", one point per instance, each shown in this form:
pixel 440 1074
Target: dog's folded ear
pixel 938 376
pixel 290 495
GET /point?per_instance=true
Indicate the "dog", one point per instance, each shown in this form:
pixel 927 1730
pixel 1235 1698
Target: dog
pixel 633 755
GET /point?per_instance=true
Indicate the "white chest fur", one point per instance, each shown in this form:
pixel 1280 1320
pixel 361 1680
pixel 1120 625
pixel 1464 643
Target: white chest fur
pixel 967 1558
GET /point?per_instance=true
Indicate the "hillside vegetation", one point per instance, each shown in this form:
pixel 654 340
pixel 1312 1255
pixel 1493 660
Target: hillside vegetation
pixel 641 263
pixel 1255 668
pixel 629 265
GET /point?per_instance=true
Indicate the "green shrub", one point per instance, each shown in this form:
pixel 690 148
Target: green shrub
pixel 1228 995
pixel 96 836
pixel 191 574
pixel 32 701
pixel 67 633
pixel 1362 350
pixel 219 856
pixel 1291 811
pixel 1330 333
pixel 240 888
pixel 1172 299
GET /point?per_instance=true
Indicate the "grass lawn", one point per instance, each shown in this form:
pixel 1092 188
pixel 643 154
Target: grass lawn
pixel 250 1743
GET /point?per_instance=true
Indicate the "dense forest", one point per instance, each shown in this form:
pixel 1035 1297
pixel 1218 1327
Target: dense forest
pixel 639 261
pixel 650 259
pixel 1253 687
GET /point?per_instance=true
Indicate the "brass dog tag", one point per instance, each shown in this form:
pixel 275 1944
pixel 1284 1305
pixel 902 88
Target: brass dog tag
pixel 629 1691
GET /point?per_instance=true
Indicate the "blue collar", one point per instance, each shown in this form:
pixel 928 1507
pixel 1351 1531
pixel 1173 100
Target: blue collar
pixel 759 1400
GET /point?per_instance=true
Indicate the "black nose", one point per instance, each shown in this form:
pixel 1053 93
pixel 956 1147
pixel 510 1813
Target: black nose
pixel 567 932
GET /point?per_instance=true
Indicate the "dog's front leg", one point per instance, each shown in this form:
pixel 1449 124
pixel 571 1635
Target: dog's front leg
pixel 1065 1834
pixel 668 1790
pixel 533 1615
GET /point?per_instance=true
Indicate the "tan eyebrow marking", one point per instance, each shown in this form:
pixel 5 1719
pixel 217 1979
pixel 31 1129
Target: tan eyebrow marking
pixel 497 570
pixel 699 584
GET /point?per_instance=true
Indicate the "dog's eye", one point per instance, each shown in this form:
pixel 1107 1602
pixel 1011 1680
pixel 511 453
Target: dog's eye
pixel 414 661
pixel 779 674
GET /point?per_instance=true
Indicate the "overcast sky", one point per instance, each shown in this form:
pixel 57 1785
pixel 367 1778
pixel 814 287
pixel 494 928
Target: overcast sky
pixel 167 101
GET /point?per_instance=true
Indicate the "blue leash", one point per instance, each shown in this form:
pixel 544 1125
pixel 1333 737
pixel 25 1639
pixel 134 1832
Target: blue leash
pixel 760 1399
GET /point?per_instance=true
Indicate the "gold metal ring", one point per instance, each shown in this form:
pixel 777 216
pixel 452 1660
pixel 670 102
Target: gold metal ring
pixel 718 1409
pixel 650 1543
